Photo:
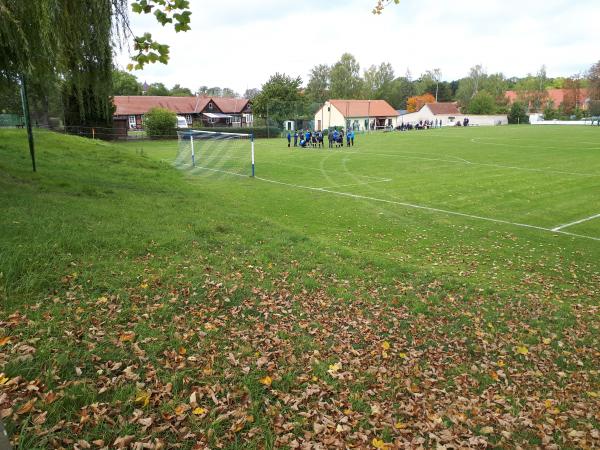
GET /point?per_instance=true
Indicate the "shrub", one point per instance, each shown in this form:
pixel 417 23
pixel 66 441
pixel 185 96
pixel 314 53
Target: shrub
pixel 550 113
pixel 594 108
pixel 159 122
pixel 482 103
pixel 518 113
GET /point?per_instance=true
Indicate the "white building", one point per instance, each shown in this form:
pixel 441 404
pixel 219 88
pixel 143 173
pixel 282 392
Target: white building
pixel 449 115
pixel 356 114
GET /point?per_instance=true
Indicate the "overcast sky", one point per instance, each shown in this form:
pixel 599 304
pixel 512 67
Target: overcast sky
pixel 240 43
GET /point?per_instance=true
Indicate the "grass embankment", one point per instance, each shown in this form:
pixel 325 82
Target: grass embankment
pixel 140 305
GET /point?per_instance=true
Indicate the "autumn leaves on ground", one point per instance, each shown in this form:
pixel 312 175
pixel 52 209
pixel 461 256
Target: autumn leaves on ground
pixel 143 311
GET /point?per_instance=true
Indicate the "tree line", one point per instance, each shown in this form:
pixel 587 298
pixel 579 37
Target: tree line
pixel 125 83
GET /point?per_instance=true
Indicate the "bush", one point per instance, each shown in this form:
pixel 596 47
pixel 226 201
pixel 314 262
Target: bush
pixel 259 132
pixel 518 113
pixel 482 103
pixel 594 108
pixel 550 113
pixel 160 122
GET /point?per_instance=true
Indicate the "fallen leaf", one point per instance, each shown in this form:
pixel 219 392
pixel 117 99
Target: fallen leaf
pixel 123 442
pixel 522 350
pixel 266 380
pixel 334 368
pixel 385 345
pixel 487 430
pixel 143 398
pixel 24 409
pixel 127 336
pixel 182 351
pixel 181 409
pixel 199 411
pixel 5 340
pixel 546 340
pixel 378 443
pixel 3 379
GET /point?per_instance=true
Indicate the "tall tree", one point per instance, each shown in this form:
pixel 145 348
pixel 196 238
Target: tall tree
pixel 401 90
pixel 377 82
pixel 180 91
pixel 215 91
pixel 572 100
pixel 158 89
pixel 280 99
pixel 317 89
pixel 229 93
pixel 70 41
pixel 346 82
pixel 469 86
pixel 531 90
pixel 251 93
pixel 124 83
pixel 594 82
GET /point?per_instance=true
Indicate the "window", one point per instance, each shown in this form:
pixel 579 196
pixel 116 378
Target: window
pixel 210 106
pixel 188 119
pixel 132 122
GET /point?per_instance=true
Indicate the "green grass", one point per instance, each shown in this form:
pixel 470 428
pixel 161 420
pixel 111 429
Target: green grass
pixel 416 239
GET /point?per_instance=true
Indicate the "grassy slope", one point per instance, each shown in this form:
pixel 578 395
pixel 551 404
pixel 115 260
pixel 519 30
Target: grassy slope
pixel 224 282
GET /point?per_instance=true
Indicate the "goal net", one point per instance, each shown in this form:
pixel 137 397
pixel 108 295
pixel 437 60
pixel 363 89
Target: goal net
pixel 210 152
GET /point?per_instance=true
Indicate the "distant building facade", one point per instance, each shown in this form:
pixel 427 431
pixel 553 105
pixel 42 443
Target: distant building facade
pixel 205 111
pixel 356 114
pixel 579 98
pixel 449 114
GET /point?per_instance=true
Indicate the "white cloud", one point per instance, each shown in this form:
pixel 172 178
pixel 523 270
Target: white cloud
pixel 240 43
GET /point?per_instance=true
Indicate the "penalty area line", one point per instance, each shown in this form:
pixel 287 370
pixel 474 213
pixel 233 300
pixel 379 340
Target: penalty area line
pixel 557 230
pixel 577 222
pixel 427 208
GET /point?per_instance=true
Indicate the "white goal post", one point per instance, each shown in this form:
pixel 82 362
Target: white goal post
pixel 216 151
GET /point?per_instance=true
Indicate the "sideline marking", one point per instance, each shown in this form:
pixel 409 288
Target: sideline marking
pixel 560 227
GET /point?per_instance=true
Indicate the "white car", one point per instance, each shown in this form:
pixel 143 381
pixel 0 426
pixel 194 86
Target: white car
pixel 181 122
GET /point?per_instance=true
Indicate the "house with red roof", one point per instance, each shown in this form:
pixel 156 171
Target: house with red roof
pixel 356 114
pixel 209 111
pixel 580 97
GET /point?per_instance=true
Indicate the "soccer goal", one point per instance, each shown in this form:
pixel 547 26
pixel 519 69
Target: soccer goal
pixel 216 152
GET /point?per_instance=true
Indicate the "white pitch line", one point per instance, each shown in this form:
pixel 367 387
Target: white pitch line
pixel 408 205
pixel 427 208
pixel 385 180
pixel 560 227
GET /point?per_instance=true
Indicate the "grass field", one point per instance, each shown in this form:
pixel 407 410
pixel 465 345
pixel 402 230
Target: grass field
pixel 420 289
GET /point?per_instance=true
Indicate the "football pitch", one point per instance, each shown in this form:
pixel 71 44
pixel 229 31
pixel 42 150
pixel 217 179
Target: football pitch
pixel 512 179
pixel 434 288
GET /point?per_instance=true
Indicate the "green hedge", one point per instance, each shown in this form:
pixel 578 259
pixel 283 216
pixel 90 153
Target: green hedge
pixel 259 132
